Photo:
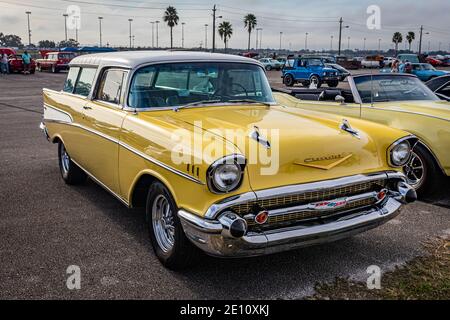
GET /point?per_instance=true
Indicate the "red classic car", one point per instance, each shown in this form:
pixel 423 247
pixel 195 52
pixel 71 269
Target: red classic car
pixel 16 62
pixel 55 61
pixel 434 61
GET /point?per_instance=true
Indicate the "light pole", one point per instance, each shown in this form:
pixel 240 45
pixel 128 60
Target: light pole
pixel 76 27
pixel 157 33
pixel 257 38
pixel 29 28
pixel 214 28
pixel 331 45
pixel 206 36
pixel 260 38
pixel 131 37
pixel 65 15
pixel 365 39
pixel 341 21
pixel 281 35
pixel 348 43
pixel 306 41
pixel 182 34
pixel 379 44
pixel 100 29
pixel 153 33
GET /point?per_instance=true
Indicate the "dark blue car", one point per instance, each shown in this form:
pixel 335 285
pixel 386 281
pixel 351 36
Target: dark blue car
pixel 307 71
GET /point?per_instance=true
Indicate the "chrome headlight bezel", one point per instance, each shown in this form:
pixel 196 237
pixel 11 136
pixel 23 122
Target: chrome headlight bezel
pixel 406 142
pixel 234 161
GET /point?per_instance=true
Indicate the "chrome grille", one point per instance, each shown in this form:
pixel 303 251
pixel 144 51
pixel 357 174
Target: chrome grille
pixel 309 197
pixel 303 215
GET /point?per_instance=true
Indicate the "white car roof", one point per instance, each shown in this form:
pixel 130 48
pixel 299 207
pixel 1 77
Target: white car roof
pixel 134 59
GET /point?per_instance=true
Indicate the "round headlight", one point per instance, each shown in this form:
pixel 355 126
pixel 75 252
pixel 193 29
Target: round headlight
pixel 226 177
pixel 400 154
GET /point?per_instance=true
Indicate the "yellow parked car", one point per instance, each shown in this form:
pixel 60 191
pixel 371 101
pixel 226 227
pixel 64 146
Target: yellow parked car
pixel 198 141
pixel 399 101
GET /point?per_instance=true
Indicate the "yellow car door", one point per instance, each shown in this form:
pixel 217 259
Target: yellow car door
pixel 102 120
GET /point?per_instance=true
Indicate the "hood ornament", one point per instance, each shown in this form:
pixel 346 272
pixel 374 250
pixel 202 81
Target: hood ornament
pixel 256 135
pixel 345 126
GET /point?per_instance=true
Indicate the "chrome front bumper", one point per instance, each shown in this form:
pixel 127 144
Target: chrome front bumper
pixel 213 236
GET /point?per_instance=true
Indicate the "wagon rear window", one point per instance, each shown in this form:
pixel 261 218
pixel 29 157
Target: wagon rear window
pixel 69 85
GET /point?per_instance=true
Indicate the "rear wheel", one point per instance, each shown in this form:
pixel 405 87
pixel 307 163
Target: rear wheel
pixel 54 69
pixel 333 84
pixel 269 67
pixel 169 241
pixel 70 172
pixel 289 80
pixel 422 172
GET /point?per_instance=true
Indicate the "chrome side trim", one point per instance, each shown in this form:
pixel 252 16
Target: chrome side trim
pixel 159 163
pixel 408 112
pixel 101 184
pixel 137 152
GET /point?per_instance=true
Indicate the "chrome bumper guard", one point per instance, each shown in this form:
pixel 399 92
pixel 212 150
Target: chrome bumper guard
pixel 226 236
pixel 44 130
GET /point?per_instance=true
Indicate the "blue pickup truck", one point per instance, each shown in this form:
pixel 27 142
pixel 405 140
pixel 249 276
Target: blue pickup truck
pixel 307 71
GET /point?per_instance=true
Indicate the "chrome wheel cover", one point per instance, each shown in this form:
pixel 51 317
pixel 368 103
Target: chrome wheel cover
pixel 415 171
pixel 65 159
pixel 163 223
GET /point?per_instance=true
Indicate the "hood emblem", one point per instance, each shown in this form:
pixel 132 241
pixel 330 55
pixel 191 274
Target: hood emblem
pixel 256 135
pixel 345 126
pixel 326 163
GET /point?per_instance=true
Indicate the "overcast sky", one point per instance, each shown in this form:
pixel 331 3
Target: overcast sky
pixel 292 17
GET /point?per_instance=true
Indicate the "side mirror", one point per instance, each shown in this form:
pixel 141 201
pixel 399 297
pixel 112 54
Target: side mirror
pixel 340 99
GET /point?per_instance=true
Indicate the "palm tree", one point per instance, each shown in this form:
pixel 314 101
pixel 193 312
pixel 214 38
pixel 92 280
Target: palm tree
pixel 225 32
pixel 410 37
pixel 397 38
pixel 171 17
pixel 250 24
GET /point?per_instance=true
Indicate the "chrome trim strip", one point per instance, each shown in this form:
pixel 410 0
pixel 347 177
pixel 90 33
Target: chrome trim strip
pixel 131 149
pixel 407 112
pixel 354 89
pixel 159 163
pixel 208 226
pixel 101 184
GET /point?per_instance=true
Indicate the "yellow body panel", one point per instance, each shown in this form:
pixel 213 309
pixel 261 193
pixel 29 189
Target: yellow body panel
pixel 428 120
pixel 118 147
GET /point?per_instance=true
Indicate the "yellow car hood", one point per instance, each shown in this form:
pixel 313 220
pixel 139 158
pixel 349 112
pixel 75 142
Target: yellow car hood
pixel 305 146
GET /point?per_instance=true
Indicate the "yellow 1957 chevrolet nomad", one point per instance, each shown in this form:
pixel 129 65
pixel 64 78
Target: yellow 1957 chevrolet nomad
pixel 198 141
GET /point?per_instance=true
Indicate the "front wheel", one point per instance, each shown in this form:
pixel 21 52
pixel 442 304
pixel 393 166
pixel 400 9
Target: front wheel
pixel 268 68
pixel 422 172
pixel 289 80
pixel 70 172
pixel 169 241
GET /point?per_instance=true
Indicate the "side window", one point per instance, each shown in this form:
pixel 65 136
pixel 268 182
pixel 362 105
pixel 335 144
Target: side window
pixel 110 88
pixel 69 85
pixel 85 80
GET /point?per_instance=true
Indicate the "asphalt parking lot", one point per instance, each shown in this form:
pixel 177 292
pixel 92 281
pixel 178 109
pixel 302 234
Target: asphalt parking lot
pixel 46 226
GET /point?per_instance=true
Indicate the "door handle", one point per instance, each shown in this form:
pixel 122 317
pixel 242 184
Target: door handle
pixel 87 108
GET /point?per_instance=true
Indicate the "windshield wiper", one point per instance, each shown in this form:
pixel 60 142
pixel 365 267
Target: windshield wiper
pixel 197 103
pixel 250 101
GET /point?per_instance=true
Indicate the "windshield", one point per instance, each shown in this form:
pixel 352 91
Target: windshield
pixel 181 84
pixel 428 66
pixel 385 88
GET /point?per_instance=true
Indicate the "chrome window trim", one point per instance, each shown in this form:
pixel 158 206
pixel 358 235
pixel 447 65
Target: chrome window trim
pixel 356 96
pixel 98 78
